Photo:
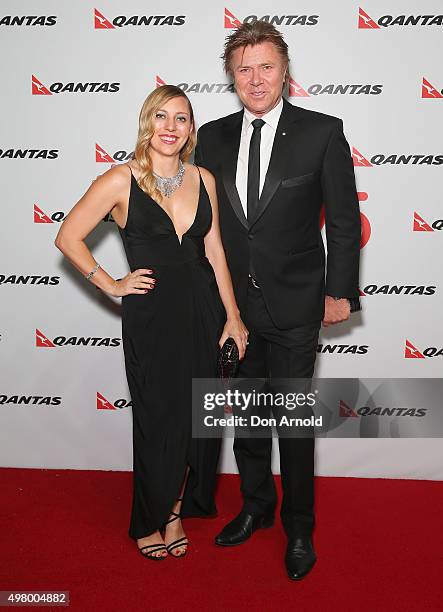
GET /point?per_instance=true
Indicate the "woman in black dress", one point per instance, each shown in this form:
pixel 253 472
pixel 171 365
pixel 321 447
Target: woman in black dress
pixel 178 307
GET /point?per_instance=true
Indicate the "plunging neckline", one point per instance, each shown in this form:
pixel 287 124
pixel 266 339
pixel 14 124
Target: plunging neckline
pixel 180 241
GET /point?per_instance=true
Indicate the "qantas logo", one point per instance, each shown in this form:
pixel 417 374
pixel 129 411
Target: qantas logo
pixel 42 341
pixel 343 349
pixel 412 352
pixel 56 217
pixel 345 411
pixel 396 412
pixel 395 159
pixel 34 400
pixel 200 87
pixel 360 160
pixel 420 225
pixel 32 20
pixel 42 217
pixel 298 91
pixel 104 404
pixel 29 153
pixel 365 22
pixel 102 156
pixel 103 23
pixel 429 91
pixel 231 21
pixel 19 279
pixel 398 290
pixel 100 22
pixel 38 89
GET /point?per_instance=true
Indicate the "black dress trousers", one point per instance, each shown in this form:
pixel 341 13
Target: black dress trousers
pixel 273 353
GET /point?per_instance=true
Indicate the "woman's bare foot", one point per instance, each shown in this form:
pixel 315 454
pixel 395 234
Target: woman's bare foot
pixel 174 531
pixel 151 550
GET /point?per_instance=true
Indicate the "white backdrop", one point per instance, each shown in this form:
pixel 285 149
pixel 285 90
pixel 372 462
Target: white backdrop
pixel 74 76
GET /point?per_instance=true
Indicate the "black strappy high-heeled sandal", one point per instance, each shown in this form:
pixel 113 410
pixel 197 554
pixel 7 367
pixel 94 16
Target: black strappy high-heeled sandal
pixel 150 554
pixel 180 541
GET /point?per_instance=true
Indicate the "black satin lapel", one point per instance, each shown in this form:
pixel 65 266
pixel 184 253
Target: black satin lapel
pixel 230 155
pixel 280 151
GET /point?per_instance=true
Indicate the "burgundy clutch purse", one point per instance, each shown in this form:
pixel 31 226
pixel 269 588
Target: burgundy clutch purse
pixel 228 359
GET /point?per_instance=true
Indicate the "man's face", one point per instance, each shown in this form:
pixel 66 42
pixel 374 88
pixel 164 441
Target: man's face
pixel 259 73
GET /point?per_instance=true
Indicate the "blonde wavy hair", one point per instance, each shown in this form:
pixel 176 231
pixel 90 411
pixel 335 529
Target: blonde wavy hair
pixel 151 105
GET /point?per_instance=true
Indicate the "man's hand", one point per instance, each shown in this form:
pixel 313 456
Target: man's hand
pixel 336 311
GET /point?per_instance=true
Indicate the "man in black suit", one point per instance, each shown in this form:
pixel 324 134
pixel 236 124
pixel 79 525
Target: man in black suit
pixel 275 165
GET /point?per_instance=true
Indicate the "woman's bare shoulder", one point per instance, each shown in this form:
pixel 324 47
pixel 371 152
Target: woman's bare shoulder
pixel 207 176
pixel 117 177
pixel 134 167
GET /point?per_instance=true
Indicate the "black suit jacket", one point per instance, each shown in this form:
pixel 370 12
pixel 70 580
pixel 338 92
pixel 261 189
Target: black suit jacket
pixel 310 165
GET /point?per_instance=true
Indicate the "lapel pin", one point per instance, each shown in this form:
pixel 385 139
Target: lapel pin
pixel 283 133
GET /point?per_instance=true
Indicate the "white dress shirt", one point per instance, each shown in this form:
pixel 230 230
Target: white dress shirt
pixel 268 130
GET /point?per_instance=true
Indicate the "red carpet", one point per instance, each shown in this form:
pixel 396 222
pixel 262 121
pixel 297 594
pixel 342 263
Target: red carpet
pixel 378 543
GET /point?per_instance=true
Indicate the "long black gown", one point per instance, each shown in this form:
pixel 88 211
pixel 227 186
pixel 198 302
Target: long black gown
pixel 170 335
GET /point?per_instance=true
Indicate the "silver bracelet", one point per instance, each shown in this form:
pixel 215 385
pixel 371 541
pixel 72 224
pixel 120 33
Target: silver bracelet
pixel 91 274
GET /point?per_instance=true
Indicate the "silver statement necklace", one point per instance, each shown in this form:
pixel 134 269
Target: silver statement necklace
pixel 167 185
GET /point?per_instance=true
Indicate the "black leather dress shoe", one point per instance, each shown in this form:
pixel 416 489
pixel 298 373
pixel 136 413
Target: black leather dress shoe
pixel 242 527
pixel 300 557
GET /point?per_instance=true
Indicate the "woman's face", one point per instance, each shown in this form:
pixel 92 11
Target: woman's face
pixel 172 126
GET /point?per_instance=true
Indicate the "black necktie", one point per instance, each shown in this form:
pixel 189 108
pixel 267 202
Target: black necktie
pixel 254 168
